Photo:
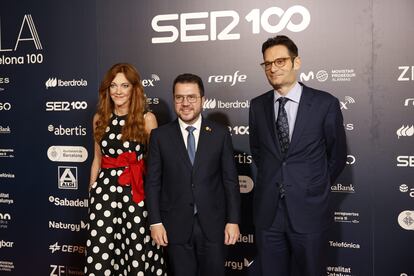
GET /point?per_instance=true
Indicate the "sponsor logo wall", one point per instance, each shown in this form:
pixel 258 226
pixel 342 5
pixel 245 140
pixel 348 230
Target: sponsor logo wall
pixel 48 93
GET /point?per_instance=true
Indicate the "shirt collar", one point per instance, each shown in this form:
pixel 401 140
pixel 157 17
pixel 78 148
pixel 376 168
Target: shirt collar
pixel 293 95
pixel 197 123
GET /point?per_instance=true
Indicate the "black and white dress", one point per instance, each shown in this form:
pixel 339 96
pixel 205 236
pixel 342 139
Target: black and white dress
pixel 119 241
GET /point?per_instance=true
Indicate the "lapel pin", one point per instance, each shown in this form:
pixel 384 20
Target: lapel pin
pixel 208 128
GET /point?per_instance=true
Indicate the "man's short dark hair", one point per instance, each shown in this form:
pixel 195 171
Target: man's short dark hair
pixel 281 40
pixel 189 78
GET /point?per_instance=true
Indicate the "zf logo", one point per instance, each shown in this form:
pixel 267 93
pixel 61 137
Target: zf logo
pixel 61 270
pixel 220 31
pixel 407 73
pixel 65 106
pixel 68 178
pixel 5 106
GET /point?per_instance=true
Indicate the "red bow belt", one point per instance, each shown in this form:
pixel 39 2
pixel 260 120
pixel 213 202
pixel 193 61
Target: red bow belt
pixel 132 174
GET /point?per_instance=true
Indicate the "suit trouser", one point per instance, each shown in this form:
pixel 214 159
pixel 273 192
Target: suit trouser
pixel 285 252
pixel 198 257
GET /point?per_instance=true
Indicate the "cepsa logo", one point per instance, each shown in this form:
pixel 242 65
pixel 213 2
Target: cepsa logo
pixel 79 249
pixel 222 24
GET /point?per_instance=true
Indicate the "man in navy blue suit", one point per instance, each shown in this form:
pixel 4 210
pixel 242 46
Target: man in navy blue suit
pixel 192 190
pixel 298 144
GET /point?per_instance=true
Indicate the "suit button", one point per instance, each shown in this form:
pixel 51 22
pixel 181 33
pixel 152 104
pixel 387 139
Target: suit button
pixel 192 185
pixel 284 164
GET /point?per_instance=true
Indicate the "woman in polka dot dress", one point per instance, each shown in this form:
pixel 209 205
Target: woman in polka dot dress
pixel 119 242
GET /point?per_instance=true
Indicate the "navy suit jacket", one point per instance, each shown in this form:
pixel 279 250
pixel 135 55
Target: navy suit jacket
pixel 173 185
pixel 316 156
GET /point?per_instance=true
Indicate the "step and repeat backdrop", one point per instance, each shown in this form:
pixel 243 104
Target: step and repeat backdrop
pixel 53 55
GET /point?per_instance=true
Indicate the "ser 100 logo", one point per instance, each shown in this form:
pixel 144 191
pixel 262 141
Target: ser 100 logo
pixel 258 21
pixel 65 106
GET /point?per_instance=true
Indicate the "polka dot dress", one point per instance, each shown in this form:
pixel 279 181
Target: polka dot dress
pixel 119 241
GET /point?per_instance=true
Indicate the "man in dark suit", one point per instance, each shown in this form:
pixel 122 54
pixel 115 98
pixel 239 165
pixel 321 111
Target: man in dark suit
pixel 298 144
pixel 192 190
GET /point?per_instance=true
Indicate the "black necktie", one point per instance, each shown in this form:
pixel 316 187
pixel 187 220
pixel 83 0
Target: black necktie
pixel 282 125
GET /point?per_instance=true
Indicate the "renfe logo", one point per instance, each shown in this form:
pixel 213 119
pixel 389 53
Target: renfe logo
pixel 217 19
pixel 228 78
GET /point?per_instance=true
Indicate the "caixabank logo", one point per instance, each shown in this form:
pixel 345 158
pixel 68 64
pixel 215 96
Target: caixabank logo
pixel 22 33
pixel 54 82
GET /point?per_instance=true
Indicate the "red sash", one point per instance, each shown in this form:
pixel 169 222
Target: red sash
pixel 132 174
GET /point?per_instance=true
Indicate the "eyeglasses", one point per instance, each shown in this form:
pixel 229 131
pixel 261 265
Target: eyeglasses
pixel 279 63
pixel 190 98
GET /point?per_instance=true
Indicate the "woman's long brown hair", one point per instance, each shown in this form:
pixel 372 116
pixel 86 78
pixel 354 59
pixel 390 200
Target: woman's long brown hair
pixel 134 128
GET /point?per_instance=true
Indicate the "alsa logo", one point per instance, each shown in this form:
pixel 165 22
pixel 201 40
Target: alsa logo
pixel 223 24
pixel 405 131
pixel 405 161
pixel 150 82
pixel 67 131
pixel 407 73
pixel 232 79
pixel 67 178
pixel 54 82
